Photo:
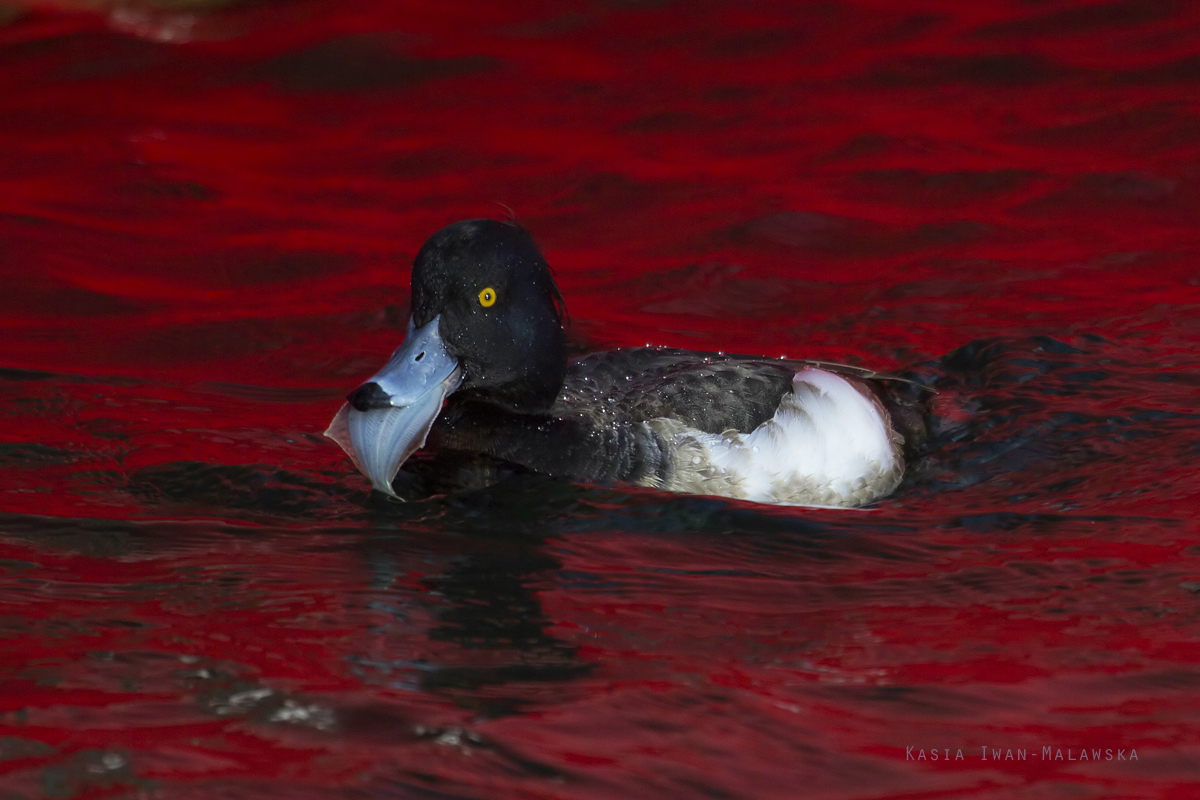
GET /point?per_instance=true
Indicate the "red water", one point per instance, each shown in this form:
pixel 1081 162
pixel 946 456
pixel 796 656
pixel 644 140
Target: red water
pixel 205 228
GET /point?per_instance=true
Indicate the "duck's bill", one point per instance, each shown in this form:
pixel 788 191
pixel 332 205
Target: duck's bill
pixel 387 419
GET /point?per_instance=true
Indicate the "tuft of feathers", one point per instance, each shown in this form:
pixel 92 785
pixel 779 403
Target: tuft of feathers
pixel 829 444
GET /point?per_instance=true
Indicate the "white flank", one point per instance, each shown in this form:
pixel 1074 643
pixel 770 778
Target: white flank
pixel 827 445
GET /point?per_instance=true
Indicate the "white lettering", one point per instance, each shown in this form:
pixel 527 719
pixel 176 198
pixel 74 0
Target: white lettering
pixel 1120 755
pixel 1058 755
pixel 1047 753
pixel 1083 754
pixel 921 756
pixel 1133 755
pixel 959 757
pixel 1095 755
pixel 908 756
pixel 1021 754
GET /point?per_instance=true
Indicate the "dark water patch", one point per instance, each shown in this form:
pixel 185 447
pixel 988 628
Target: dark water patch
pixel 390 725
pixel 16 375
pixel 149 671
pixel 167 190
pixel 85 55
pixel 271 394
pixel 956 281
pixel 496 654
pixel 434 162
pixel 90 772
pixel 33 454
pixel 1002 70
pixel 1052 345
pixel 752 43
pixel 54 300
pixel 986 363
pixel 15 748
pixel 1022 406
pixel 1042 523
pixel 1164 200
pixel 1156 415
pixel 1121 14
pixel 234 268
pixel 926 701
pixel 22 220
pixel 466 682
pixel 740 297
pixel 1085 376
pixel 363 63
pixel 490 602
pixel 565 22
pixel 1062 486
pixel 846 237
pixel 95 537
pixel 1182 70
pixel 758 534
pixel 509 503
pixel 882 147
pixel 1143 130
pixel 215 340
pixel 117 538
pixel 1162 680
pixel 700 275
pixel 625 194
pixel 912 186
pixel 262 489
pixel 992 585
pixel 678 122
pixel 1005 521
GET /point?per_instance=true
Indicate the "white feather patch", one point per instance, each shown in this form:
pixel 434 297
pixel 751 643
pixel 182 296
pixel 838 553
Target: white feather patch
pixel 827 445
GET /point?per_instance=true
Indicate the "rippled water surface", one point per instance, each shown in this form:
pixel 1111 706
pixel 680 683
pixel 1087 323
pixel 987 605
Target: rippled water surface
pixel 206 222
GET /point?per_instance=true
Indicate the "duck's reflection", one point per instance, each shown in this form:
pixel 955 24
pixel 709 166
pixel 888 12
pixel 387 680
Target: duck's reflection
pixel 475 596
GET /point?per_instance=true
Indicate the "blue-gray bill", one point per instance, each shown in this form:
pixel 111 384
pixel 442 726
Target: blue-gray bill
pixel 379 428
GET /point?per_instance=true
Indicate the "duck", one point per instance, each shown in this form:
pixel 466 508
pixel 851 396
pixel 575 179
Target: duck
pixel 484 370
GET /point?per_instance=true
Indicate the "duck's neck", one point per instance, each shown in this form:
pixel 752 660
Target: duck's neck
pixel 534 392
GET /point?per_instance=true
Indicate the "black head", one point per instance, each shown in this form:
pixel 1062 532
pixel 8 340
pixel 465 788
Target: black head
pixel 500 311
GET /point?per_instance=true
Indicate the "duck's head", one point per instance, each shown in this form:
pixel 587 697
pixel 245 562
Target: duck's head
pixel 486 323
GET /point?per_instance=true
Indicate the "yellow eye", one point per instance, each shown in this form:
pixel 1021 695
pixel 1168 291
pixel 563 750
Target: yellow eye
pixel 487 298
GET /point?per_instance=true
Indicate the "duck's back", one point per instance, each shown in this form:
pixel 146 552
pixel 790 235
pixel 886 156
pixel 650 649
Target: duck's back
pixel 710 392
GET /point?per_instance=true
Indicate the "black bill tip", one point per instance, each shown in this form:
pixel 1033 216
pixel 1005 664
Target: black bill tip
pixel 368 396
